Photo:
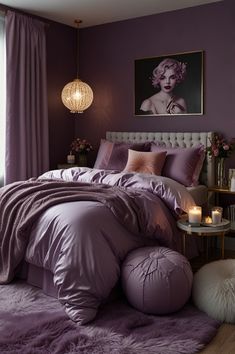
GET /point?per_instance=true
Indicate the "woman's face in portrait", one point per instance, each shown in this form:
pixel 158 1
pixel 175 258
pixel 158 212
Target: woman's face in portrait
pixel 168 80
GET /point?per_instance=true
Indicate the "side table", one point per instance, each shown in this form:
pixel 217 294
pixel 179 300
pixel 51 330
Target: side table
pixel 231 194
pixel 220 190
pixel 204 231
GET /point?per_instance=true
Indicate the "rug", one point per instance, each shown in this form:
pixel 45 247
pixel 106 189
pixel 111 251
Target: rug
pixel 34 323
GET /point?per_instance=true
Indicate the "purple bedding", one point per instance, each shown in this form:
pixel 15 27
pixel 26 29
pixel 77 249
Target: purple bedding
pixel 81 232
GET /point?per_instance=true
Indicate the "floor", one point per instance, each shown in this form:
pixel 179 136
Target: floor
pixel 223 342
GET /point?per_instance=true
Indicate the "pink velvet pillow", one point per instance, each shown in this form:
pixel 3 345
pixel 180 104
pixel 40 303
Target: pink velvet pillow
pixel 145 162
pixel 113 156
pixel 182 164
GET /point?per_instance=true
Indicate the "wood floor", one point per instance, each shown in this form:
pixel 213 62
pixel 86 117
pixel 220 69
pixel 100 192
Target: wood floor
pixel 224 341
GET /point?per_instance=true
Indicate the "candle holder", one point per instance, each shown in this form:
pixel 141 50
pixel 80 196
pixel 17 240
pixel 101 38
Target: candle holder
pixel 195 215
pixel 216 215
pixel 71 158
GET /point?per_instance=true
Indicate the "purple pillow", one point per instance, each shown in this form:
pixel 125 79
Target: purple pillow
pixel 104 154
pixel 113 156
pixel 182 164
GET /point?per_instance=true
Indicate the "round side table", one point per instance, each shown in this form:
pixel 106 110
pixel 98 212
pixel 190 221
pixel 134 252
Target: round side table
pixel 204 231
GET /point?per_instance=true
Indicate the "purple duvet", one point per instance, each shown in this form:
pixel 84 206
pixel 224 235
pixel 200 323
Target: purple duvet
pixel 80 224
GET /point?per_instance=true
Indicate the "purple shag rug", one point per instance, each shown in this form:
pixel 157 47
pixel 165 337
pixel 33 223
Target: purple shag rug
pixel 34 323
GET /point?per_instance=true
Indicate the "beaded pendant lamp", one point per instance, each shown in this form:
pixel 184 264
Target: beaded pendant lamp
pixel 77 96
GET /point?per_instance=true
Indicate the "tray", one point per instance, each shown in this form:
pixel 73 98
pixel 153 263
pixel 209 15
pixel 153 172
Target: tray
pixel 224 222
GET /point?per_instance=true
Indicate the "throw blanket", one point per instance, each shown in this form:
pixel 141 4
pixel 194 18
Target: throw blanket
pixel 21 204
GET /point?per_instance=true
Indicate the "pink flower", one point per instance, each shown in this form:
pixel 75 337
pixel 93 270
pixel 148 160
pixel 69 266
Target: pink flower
pixel 81 146
pixel 220 147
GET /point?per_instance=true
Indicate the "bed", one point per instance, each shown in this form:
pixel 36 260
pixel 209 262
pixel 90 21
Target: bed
pixel 68 231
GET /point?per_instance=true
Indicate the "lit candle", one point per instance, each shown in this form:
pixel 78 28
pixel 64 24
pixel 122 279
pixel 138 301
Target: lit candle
pixel 216 215
pixel 208 220
pixel 195 215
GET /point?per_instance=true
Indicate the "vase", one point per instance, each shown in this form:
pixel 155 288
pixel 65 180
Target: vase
pixel 82 160
pixel 221 178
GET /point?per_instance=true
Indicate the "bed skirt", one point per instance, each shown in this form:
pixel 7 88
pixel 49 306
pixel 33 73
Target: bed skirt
pixel 39 277
pixel 43 279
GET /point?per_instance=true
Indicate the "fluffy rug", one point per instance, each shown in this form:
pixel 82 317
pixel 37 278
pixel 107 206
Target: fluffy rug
pixel 33 323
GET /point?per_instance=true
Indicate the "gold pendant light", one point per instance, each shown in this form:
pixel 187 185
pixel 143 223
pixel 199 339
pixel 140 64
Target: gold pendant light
pixel 77 95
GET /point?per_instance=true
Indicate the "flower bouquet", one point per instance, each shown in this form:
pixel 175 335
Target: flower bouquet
pixel 81 147
pixel 220 148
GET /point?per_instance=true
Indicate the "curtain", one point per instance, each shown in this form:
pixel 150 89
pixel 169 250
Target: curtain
pixel 2 97
pixel 27 148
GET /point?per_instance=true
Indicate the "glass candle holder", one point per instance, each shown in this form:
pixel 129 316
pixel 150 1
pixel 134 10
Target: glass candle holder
pixel 216 215
pixel 195 215
pixel 71 158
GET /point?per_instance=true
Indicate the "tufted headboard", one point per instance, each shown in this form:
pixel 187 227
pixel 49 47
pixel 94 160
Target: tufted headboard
pixel 171 139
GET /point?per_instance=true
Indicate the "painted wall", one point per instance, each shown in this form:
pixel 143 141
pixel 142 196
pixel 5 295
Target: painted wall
pixel 107 55
pixel 61 69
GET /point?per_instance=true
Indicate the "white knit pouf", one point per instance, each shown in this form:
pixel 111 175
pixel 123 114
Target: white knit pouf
pixel 214 290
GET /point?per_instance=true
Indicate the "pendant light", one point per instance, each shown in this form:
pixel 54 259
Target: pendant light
pixel 77 95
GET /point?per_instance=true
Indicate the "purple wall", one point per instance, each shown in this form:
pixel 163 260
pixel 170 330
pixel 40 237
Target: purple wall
pixel 61 69
pixel 107 55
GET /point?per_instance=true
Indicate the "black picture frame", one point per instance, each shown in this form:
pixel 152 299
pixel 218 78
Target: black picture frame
pixel 189 90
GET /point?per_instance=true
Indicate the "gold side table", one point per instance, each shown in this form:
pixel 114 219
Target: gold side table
pixel 204 231
pixel 218 191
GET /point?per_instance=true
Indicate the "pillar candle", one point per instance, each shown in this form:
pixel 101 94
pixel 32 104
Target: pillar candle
pixel 71 158
pixel 195 215
pixel 216 215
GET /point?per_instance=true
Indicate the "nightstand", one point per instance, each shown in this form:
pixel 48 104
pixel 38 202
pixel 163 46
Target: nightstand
pixel 61 166
pixel 225 191
pixel 204 231
pixel 219 190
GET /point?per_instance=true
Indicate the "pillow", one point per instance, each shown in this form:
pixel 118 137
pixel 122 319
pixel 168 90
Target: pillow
pixel 198 167
pixel 182 164
pixel 104 154
pixel 113 156
pixel 145 162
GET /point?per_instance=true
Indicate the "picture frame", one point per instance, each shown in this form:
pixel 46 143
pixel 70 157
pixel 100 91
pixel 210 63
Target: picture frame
pixel 169 85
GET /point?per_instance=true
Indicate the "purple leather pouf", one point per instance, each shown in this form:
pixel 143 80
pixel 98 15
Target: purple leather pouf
pixel 156 280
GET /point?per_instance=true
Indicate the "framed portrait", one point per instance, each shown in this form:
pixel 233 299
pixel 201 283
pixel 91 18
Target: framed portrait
pixel 169 85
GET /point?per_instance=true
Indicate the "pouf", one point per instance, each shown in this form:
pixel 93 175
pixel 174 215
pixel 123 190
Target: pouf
pixel 214 290
pixel 156 280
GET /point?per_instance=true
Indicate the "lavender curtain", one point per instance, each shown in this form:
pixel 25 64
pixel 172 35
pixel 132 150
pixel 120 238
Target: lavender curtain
pixel 2 98
pixel 27 148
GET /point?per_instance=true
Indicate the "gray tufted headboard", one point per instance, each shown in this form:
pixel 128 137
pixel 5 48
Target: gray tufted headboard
pixel 171 139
